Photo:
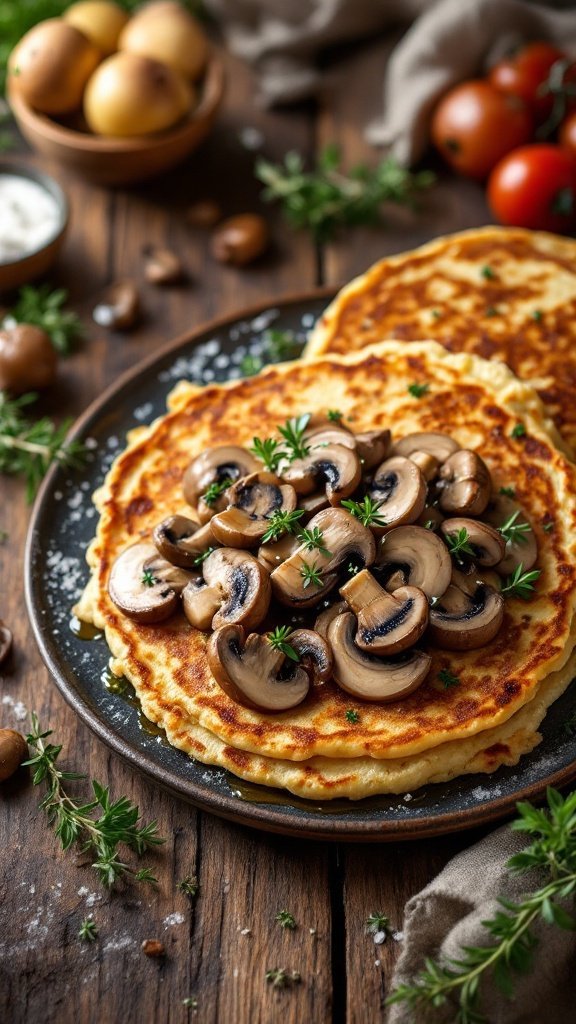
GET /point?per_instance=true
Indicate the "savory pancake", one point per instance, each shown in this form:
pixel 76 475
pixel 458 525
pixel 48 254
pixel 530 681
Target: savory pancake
pixel 323 778
pixel 482 405
pixel 500 293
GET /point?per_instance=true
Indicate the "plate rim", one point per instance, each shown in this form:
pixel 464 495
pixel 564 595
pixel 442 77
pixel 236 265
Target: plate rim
pixel 262 816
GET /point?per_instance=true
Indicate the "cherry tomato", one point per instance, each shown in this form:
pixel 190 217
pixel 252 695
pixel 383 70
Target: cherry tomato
pixel 474 125
pixel 567 136
pixel 535 187
pixel 523 73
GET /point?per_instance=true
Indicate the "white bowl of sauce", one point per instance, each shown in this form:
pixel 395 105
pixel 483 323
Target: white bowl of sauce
pixel 34 216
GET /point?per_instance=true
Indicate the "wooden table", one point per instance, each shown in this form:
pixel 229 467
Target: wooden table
pixel 219 949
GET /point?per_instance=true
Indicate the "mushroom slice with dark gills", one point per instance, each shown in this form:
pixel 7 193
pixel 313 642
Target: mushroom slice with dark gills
pixel 182 541
pixel 469 615
pixel 323 620
pixel 144 585
pixel 464 484
pixel 488 546
pixel 369 677
pixel 308 575
pixel 336 466
pixel 255 674
pixel 521 547
pixel 414 556
pixel 253 500
pixel 441 446
pixel 215 466
pixel 400 490
pixel 235 588
pixel 387 623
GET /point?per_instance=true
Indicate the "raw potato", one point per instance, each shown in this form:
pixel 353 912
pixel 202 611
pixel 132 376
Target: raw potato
pixel 133 95
pixel 100 20
pixel 50 66
pixel 168 33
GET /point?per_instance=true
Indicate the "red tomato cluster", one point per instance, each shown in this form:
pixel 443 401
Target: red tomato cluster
pixel 484 129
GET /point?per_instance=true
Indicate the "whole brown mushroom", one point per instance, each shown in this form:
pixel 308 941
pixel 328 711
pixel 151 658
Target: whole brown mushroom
pixel 240 240
pixel 28 359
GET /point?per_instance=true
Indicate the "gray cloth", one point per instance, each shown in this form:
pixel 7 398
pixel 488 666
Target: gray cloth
pixel 450 40
pixel 448 915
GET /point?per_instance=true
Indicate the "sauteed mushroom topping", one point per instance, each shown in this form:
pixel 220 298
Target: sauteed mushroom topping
pixel 417 546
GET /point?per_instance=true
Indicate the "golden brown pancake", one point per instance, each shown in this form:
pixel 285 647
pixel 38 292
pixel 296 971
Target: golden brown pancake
pixel 500 293
pixel 479 403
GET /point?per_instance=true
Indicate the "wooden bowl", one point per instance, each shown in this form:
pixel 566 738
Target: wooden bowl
pixel 32 264
pixel 106 160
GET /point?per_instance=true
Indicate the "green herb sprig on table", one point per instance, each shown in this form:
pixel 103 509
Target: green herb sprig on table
pixel 28 447
pixel 118 823
pixel 326 198
pixel 45 307
pixel 514 945
pixel 88 931
pixel 286 919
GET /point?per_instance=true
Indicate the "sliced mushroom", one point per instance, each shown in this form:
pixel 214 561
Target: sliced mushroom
pixel 314 653
pixel 464 620
pixel 387 623
pixel 273 554
pixel 372 447
pixel 322 434
pixel 343 537
pixel 441 446
pixel 412 555
pixel 368 677
pixel 255 674
pixel 427 464
pixel 523 550
pixel 312 503
pixel 182 540
pixel 214 466
pixel 201 602
pixel 244 586
pixel 119 308
pixel 430 517
pixel 252 501
pixel 323 620
pixel 144 585
pixel 464 485
pixel 487 544
pixel 334 465
pixel 400 488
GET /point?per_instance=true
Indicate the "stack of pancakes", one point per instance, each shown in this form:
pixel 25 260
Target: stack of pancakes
pixel 492 716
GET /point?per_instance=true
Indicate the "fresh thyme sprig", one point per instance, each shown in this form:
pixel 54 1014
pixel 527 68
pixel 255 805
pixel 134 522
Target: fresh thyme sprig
pixel 326 199
pixel 88 931
pixel 520 583
pixel 313 540
pixel 514 532
pixel 552 850
pixel 366 511
pixel 278 639
pixel 269 451
pixel 286 919
pixel 293 434
pixel 280 978
pixel 378 922
pixel 335 416
pixel 148 578
pixel 44 307
pixel 189 886
pixel 275 347
pixel 201 558
pixel 418 390
pixel 448 678
pixel 282 522
pixel 214 491
pixel 118 822
pixel 508 492
pixel 28 447
pixel 458 543
pixel 352 716
pixel 311 575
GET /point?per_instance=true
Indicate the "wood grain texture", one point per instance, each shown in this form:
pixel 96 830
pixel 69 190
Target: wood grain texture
pixel 218 948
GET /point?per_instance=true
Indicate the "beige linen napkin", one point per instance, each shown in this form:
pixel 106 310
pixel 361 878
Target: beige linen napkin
pixel 450 40
pixel 447 915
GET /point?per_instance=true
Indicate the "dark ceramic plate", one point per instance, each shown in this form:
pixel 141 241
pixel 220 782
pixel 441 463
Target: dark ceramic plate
pixel 63 523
